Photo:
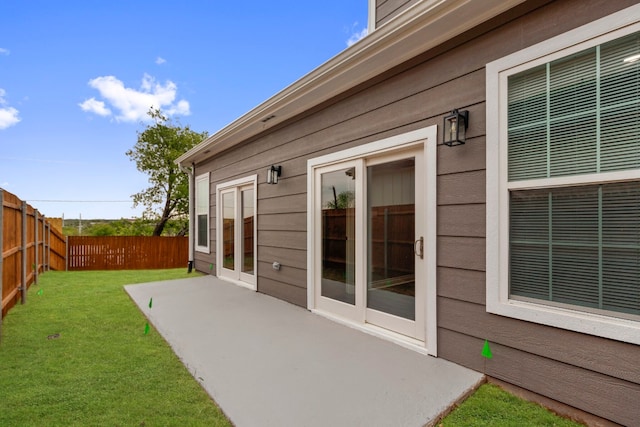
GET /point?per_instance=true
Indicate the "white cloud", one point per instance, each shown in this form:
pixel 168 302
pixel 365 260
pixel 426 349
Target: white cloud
pixel 8 115
pixel 131 104
pixel 92 105
pixel 357 36
pixel 160 60
pixel 4 51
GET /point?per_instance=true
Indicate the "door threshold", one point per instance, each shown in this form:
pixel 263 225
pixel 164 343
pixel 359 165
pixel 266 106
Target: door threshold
pixel 238 283
pixel 385 334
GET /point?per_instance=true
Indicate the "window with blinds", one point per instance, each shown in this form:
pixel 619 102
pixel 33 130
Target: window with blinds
pixel 576 244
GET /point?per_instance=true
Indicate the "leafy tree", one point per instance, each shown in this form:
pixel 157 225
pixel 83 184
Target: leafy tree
pixel 158 146
pixel 344 200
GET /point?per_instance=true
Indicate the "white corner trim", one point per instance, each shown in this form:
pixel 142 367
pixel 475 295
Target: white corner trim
pixel 616 25
pixel 372 16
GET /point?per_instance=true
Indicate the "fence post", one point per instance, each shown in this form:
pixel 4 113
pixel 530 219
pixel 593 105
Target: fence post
pixel 66 253
pixel 23 273
pixel 37 245
pixel 1 251
pixel 48 231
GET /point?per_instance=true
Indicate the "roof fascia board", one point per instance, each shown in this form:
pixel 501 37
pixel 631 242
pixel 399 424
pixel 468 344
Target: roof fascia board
pixel 420 28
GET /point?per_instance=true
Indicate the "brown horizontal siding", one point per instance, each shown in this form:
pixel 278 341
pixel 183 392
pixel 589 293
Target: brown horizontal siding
pixel 463 285
pixel 203 264
pixel 389 9
pixel 288 275
pixel 283 204
pixel 284 221
pixel 467 253
pixel 296 258
pixel 293 294
pixel 589 391
pixel 462 220
pixel 612 358
pixel 462 188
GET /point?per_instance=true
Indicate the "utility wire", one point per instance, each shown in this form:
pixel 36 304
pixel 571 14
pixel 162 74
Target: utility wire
pixel 80 201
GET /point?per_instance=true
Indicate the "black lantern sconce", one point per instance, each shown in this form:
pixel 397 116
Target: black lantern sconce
pixel 455 128
pixel 273 173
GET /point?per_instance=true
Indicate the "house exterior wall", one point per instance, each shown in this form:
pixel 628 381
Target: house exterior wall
pixel 389 9
pixel 594 374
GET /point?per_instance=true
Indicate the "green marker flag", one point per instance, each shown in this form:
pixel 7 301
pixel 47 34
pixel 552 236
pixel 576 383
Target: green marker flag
pixel 486 351
pixel 40 292
pixel 146 329
pixel 211 267
pixel 150 302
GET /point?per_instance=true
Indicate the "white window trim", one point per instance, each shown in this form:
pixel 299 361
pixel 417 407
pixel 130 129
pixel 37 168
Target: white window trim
pixel 249 180
pixel 608 28
pixel 200 248
pixel 428 138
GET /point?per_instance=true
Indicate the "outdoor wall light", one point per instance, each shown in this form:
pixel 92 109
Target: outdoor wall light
pixel 273 173
pixel 455 128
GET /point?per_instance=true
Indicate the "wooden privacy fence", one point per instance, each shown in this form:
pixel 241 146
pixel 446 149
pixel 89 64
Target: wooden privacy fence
pixel 29 246
pixel 126 252
pixel 391 239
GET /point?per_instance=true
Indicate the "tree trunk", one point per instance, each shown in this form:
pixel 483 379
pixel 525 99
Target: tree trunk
pixel 166 212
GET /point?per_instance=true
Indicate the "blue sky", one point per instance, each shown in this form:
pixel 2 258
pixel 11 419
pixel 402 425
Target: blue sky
pixel 77 77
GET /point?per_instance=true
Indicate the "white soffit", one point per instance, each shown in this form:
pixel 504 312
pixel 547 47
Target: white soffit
pixel 423 26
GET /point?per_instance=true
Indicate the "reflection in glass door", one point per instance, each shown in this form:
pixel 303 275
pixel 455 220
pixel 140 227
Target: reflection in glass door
pixel 391 286
pixel 371 267
pixel 228 230
pixel 338 196
pixel 248 213
pixel 237 246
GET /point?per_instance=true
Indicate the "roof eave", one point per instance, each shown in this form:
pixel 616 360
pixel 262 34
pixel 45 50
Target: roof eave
pixel 425 25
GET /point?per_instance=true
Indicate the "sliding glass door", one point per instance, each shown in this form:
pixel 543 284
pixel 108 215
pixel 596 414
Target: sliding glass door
pixel 371 241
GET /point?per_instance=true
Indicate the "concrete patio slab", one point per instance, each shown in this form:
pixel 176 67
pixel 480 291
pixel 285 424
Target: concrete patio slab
pixel 269 363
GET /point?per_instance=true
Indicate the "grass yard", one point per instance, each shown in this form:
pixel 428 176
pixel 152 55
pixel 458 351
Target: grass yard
pixel 77 355
pixel 490 406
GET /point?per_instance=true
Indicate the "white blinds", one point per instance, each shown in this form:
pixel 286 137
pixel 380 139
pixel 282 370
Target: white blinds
pixel 578 245
pixel 576 115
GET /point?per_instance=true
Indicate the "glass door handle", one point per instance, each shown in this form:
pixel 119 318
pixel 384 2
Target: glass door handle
pixel 418 247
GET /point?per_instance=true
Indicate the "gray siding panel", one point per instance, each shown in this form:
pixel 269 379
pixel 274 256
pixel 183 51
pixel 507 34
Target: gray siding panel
pixel 389 9
pixel 615 359
pixel 463 285
pixel 293 294
pixel 589 391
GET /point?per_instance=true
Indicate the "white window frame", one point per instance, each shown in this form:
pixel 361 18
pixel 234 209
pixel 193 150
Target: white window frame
pixel 427 139
pixel 198 181
pixel 498 302
pixel 241 279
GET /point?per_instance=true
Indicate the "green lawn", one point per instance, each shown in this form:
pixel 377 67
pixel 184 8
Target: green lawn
pixel 76 355
pixel 490 406
pixel 102 370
